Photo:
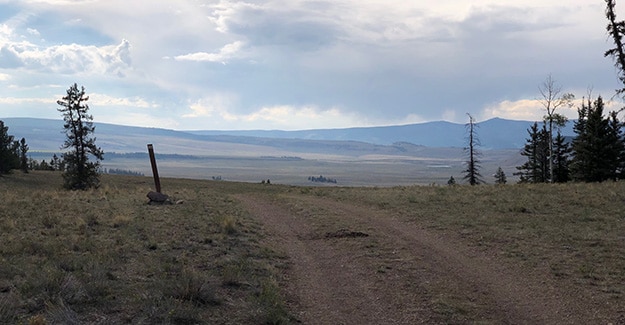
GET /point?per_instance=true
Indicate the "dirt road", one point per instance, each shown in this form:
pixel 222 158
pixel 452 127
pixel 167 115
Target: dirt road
pixel 356 265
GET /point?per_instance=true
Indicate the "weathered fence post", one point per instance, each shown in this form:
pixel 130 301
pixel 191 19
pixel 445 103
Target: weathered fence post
pixel 157 180
pixel 156 197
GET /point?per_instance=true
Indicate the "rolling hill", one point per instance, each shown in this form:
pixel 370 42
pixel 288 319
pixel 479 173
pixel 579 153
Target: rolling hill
pixel 46 135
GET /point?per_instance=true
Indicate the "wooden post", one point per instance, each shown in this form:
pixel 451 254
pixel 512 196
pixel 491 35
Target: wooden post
pixel 157 181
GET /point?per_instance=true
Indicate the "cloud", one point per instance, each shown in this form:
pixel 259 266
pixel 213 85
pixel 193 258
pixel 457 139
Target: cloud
pixel 276 23
pixel 33 31
pixel 28 100
pixel 67 59
pixel 216 112
pixel 103 100
pixel 302 64
pixel 533 109
pixel 226 53
pixel 213 106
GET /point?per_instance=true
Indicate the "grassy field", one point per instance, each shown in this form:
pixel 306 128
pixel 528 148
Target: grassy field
pixel 577 230
pixel 106 256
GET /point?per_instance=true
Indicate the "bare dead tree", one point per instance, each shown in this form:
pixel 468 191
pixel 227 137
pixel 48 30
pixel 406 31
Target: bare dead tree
pixel 552 99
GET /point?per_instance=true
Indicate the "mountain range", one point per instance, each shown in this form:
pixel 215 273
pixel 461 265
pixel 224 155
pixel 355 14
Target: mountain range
pixel 47 135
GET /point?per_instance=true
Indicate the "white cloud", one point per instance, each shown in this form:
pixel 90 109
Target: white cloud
pixel 68 59
pixel 533 109
pixel 525 109
pixel 283 117
pixel 4 77
pixel 28 100
pixel 102 100
pixel 5 33
pixel 213 106
pixel 33 31
pixel 226 53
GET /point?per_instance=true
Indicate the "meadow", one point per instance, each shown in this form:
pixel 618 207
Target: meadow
pixel 105 256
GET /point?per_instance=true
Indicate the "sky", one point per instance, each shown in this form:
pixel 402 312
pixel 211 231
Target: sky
pixel 297 64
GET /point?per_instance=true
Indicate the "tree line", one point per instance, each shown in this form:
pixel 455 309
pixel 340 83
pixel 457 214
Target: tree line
pixel 12 152
pixel 596 153
pixel 322 179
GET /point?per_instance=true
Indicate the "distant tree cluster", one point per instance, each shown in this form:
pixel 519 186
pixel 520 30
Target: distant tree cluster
pixel 322 179
pixel 12 152
pixel 55 164
pixel 119 171
pixel 595 154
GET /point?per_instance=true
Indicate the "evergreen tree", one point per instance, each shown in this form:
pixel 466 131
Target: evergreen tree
pixel 472 173
pixel 536 149
pixel 598 146
pixel 79 172
pixel 9 156
pixel 561 159
pixel 23 157
pixel 500 176
pixel 616 148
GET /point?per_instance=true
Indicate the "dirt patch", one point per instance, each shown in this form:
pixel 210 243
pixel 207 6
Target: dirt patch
pixel 400 273
pixel 345 233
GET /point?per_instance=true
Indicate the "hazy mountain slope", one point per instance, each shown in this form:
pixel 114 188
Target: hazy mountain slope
pixel 47 135
pixel 494 134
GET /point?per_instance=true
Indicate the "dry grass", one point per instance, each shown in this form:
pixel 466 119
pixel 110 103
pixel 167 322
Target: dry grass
pixel 105 256
pixel 577 230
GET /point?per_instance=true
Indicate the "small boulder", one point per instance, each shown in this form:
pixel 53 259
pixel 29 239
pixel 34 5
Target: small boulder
pixel 158 198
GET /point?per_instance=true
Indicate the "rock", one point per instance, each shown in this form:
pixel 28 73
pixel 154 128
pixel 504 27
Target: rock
pixel 158 198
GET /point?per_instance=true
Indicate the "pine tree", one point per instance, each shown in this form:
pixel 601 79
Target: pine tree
pixel 598 146
pixel 616 148
pixel 23 157
pixel 472 173
pixel 500 176
pixel 536 149
pixel 80 172
pixel 9 157
pixel 561 159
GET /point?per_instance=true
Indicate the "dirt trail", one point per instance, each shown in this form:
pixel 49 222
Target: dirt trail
pixel 381 270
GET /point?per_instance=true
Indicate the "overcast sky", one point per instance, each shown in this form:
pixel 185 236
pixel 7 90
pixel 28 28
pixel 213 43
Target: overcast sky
pixel 295 64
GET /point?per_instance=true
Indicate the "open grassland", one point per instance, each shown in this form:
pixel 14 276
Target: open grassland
pixel 105 256
pixel 577 231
